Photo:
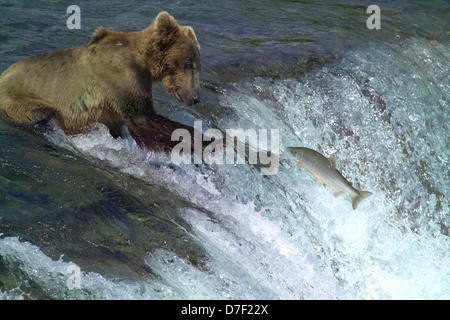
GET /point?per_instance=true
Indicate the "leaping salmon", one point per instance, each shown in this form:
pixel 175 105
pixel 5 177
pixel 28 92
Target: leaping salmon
pixel 324 169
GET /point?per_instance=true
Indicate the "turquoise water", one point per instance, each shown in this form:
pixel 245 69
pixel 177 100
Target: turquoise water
pixel 137 226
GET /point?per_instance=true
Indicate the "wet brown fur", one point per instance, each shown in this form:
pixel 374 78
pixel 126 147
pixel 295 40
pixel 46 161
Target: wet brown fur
pixel 107 81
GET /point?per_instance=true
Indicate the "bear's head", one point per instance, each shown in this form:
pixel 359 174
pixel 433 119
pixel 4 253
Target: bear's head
pixel 179 58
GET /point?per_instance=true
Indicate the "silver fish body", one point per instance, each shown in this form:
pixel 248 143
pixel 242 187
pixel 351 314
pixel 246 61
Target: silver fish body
pixel 324 169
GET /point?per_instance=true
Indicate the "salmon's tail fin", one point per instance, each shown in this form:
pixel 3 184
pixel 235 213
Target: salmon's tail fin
pixel 359 197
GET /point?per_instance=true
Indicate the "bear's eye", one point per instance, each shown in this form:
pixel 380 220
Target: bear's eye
pixel 189 65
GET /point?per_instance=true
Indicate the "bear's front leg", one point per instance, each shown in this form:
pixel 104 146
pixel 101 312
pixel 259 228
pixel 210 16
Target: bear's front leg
pixel 155 132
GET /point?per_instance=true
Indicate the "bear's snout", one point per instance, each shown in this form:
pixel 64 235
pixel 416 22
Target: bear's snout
pixel 195 99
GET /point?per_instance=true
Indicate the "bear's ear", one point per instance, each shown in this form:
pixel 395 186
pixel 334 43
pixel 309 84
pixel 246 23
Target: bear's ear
pixel 191 34
pixel 99 34
pixel 167 30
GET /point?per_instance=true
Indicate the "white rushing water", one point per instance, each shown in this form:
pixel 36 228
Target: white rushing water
pixel 382 112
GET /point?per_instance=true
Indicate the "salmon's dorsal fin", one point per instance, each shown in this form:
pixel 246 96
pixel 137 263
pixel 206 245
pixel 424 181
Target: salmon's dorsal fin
pixel 332 161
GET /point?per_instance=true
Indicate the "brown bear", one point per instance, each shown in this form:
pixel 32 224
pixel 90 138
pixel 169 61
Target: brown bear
pixel 108 81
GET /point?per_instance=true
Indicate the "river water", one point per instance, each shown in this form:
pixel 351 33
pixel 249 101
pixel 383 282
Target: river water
pixel 93 217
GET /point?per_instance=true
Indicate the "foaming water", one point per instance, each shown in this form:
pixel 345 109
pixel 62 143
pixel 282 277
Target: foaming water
pixel 381 111
pixel 234 236
pixel 388 130
pixel 51 277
